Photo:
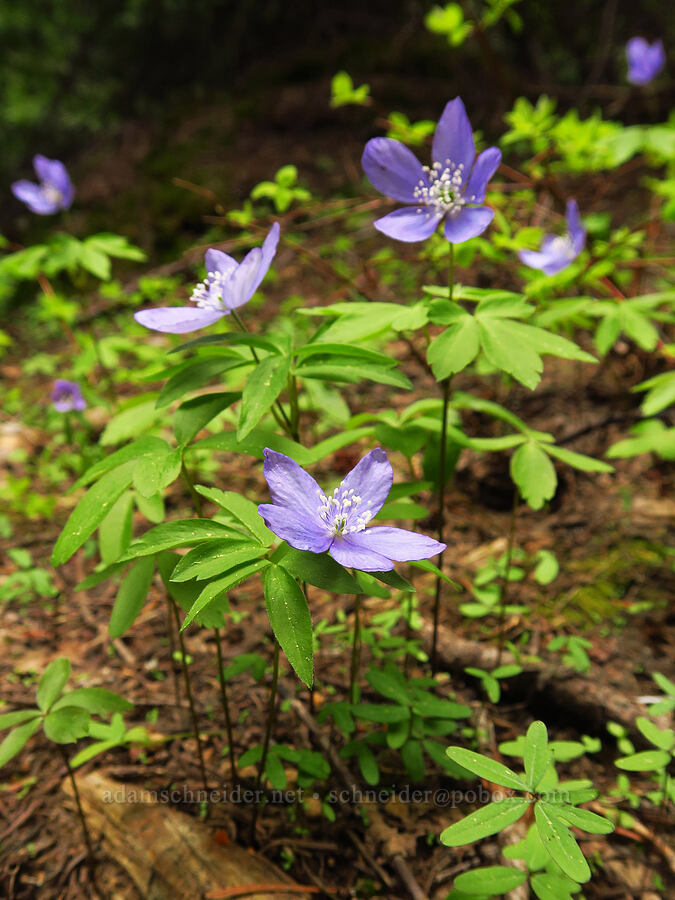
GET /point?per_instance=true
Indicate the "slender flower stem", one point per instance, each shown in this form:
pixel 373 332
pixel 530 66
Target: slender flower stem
pixel 356 650
pixel 80 812
pixel 442 468
pixel 172 648
pixel 278 411
pixel 188 691
pixel 505 580
pixel 271 716
pixel 295 410
pixel 226 708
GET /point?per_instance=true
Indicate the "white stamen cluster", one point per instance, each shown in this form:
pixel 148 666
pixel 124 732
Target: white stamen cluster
pixel 208 294
pixel 339 511
pixel 443 192
pixel 51 193
pixel 562 246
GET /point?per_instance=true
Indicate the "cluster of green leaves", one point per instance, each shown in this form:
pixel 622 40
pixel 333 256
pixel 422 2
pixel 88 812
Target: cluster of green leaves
pixel 451 22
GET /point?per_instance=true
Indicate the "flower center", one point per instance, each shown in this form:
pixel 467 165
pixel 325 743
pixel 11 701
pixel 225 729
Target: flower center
pixel 444 189
pixel 50 193
pixel 208 294
pixel 340 513
pixel 562 246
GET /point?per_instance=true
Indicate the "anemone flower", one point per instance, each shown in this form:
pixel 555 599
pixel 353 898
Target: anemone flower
pixel 645 60
pixel 558 251
pixel 227 286
pixel 452 188
pixel 66 396
pixel 54 192
pixel 306 518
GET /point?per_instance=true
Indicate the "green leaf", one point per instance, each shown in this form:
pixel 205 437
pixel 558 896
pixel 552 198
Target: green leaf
pixel 16 739
pixel 215 589
pixel 343 371
pixel 646 761
pixel 290 620
pixel 91 511
pixel 145 446
pixel 262 388
pixel 537 757
pixel 94 261
pixel 413 759
pixel 52 682
pixel 97 701
pixel 129 423
pixel 485 821
pixel 553 887
pixel 491 880
pixel 429 706
pixel 181 533
pixel 578 460
pixel 243 510
pixel 506 350
pixel 559 842
pixel 18 717
pixel 547 567
pixel 114 532
pixel 131 596
pixel 319 569
pixel 193 375
pixel 66 725
pixel 664 740
pixel 390 684
pixel 455 348
pixel 153 473
pixel 354 351
pixel 368 764
pixel 258 439
pixel 534 474
pixel 214 559
pixel 485 767
pixel 194 414
pixel 380 712
pixel 584 819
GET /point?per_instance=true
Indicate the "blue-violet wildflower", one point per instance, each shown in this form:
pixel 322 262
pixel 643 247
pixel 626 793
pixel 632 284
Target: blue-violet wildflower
pixel 645 60
pixel 451 188
pixel 558 251
pixel 308 519
pixel 228 285
pixel 66 396
pixel 54 192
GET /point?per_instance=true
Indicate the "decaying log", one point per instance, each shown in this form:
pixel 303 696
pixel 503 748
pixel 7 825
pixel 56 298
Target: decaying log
pixel 587 699
pixel 167 853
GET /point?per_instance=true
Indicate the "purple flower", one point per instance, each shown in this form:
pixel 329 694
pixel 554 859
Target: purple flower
pixel 645 60
pixel 228 285
pixel 54 192
pixel 66 395
pixel 307 519
pixel 452 188
pixel 558 251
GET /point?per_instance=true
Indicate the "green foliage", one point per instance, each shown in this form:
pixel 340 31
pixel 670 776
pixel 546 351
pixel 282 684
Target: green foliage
pixel 343 92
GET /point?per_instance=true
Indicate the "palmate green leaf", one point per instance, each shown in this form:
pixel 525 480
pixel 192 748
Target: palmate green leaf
pixel 145 446
pixel 114 533
pixel 97 701
pixel 215 559
pixel 290 620
pixel 131 596
pixel 583 819
pixel 485 821
pixel 181 533
pixel 18 717
pixel 318 569
pixel 153 473
pixel 52 682
pixel 67 724
pixel 194 414
pixel 214 590
pixel 243 510
pixel 92 510
pixel 660 393
pixel 646 761
pixel 455 348
pixel 488 768
pixel 357 321
pixel 185 594
pixel 262 388
pixel 195 375
pixel 534 474
pixel 16 739
pixel 490 880
pixel 537 756
pixel 559 842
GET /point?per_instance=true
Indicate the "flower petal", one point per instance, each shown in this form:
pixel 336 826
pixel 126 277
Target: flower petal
pixel 178 319
pixel 414 223
pixel 485 168
pixel 398 544
pixel 534 258
pixel 53 173
pixel 294 528
pixel 371 479
pixel 32 196
pixel 291 487
pixel 453 139
pixel 350 552
pixel 241 284
pixel 393 169
pixel 574 226
pixel 217 261
pixel 469 222
pixel 269 248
